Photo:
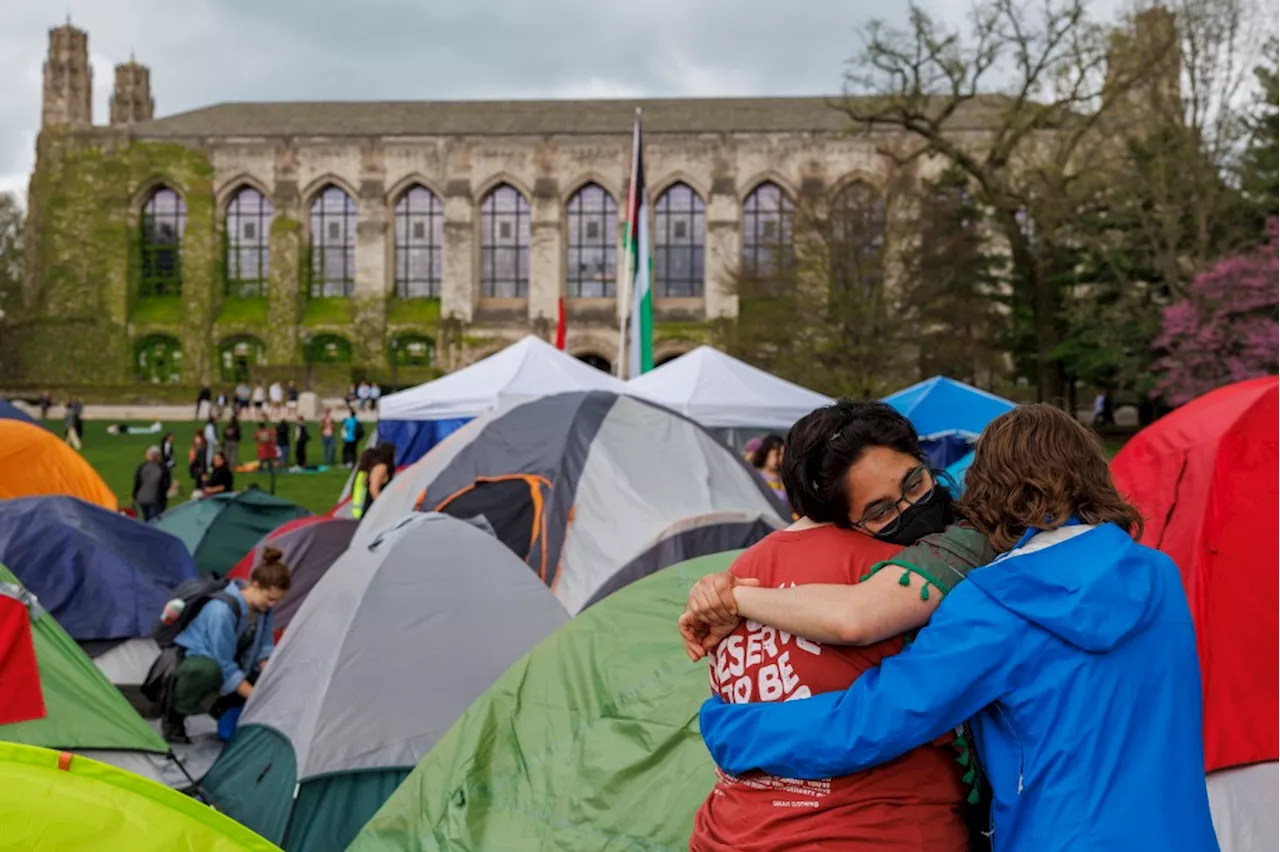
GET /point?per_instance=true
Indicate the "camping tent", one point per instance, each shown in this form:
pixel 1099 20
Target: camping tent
pixel 84 712
pixel 55 800
pixel 1204 477
pixel 727 395
pixel 310 545
pixel 9 411
pixel 956 471
pixel 218 530
pixel 102 575
pixel 590 742
pixel 577 484
pixel 33 461
pixel 389 650
pixel 948 415
pixel 417 419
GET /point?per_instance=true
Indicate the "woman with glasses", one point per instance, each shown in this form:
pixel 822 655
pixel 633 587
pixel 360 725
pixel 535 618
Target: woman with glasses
pixel 855 474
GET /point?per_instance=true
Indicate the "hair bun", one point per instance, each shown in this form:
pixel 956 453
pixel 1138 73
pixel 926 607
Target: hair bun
pixel 272 555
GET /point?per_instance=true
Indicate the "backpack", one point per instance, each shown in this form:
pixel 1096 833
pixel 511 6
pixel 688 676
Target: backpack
pixel 188 600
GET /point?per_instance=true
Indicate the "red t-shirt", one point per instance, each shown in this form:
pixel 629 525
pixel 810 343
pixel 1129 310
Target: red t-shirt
pixel 913 803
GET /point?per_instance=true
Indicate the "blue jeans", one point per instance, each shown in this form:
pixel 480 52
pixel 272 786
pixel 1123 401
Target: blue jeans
pixel 329 450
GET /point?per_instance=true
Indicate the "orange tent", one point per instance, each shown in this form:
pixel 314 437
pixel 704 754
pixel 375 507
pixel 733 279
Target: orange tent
pixel 34 462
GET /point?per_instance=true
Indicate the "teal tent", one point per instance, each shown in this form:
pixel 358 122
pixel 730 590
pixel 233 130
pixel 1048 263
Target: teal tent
pixel 955 474
pixel 588 743
pixel 220 529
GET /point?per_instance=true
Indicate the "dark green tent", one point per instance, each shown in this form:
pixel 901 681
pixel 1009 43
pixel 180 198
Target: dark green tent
pixel 220 529
pixel 589 743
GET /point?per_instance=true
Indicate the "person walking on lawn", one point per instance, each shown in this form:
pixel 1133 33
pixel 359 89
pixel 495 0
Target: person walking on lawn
pixel 151 485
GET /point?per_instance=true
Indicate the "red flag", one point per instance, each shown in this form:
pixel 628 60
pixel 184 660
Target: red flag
pixel 20 696
pixel 560 324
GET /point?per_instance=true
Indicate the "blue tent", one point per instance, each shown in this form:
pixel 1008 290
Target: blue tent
pixel 101 575
pixel 956 474
pixel 948 415
pixel 9 411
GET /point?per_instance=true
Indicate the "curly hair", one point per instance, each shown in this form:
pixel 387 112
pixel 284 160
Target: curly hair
pixel 1036 466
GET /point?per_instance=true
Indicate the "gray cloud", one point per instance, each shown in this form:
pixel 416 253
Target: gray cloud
pixel 207 51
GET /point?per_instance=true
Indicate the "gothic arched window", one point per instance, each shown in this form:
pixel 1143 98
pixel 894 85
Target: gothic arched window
pixel 857 238
pixel 164 218
pixel 767 217
pixel 679 243
pixel 504 244
pixel 333 244
pixel 591 265
pixel 419 241
pixel 248 243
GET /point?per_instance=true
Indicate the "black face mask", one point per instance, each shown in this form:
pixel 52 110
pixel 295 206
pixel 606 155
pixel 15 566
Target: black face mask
pixel 922 519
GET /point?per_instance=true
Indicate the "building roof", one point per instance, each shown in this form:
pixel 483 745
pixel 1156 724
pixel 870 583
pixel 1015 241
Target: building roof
pixel 508 118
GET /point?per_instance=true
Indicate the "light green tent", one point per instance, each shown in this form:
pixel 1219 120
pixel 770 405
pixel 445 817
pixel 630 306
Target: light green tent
pixel 85 712
pixel 59 801
pixel 588 744
pixel 220 529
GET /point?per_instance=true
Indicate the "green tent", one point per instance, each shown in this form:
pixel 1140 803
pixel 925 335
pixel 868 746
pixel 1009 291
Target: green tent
pixel 52 802
pixel 589 743
pixel 220 529
pixel 85 713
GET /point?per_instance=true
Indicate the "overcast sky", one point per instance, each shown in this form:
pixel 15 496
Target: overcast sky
pixel 203 52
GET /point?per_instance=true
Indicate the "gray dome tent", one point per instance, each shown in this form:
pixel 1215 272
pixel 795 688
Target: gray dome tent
pixel 581 485
pixel 390 648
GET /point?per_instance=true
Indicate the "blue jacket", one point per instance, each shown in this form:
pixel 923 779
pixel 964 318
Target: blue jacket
pixel 215 632
pixel 1074 656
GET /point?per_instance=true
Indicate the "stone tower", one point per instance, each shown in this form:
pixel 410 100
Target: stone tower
pixel 68 79
pixel 1146 60
pixel 131 99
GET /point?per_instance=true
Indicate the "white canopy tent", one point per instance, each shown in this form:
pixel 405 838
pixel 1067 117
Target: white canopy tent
pixel 722 393
pixel 524 370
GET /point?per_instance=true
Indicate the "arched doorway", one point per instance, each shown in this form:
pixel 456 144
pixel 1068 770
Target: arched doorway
pixel 237 356
pixel 600 363
pixel 158 358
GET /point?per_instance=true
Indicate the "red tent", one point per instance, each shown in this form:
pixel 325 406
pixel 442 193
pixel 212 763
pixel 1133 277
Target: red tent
pixel 1205 478
pixel 21 699
pixel 242 568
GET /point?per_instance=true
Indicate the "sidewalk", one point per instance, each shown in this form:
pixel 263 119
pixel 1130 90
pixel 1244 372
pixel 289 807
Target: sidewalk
pixel 174 413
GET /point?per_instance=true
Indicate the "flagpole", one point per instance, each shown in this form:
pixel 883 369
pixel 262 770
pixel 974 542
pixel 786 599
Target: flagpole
pixel 625 271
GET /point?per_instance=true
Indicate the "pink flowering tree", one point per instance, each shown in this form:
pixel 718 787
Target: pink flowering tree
pixel 1225 330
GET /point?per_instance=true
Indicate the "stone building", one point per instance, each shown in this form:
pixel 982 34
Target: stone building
pixel 395 239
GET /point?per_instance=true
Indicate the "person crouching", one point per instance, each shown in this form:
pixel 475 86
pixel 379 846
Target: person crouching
pixel 225 646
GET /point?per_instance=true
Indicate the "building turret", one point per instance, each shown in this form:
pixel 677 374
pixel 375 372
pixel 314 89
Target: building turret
pixel 131 99
pixel 68 79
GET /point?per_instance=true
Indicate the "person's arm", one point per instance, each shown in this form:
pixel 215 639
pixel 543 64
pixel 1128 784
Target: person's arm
pixel 958 664
pixel 377 480
pixel 137 482
pixel 887 603
pixel 222 633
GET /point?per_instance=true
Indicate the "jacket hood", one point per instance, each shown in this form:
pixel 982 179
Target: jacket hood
pixel 1092 587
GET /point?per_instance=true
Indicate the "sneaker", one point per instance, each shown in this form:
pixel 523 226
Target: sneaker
pixel 174 730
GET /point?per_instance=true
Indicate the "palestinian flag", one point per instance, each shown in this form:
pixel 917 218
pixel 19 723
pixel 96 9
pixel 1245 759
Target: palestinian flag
pixel 636 251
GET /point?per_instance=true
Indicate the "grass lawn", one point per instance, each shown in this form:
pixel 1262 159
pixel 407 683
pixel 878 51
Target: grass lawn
pixel 115 457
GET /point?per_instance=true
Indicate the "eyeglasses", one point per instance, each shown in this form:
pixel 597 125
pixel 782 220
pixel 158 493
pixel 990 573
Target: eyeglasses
pixel 917 489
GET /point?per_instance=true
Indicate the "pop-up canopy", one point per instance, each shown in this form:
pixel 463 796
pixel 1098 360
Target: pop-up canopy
pixel 417 419
pixel 948 415
pixel 721 392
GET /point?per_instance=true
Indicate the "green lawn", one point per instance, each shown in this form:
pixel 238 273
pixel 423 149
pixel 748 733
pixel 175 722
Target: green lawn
pixel 115 457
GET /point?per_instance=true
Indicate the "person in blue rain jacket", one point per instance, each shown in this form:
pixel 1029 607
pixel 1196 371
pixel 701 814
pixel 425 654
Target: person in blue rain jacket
pixel 1073 655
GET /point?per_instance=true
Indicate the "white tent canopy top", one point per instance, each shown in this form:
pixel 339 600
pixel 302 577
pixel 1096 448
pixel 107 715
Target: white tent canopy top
pixel 719 391
pixel 524 370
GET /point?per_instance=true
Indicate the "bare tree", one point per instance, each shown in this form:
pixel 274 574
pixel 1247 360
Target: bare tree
pixel 1018 103
pixel 11 252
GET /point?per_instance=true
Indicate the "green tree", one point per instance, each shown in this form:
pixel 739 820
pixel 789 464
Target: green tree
pixel 952 287
pixel 12 264
pixel 1260 165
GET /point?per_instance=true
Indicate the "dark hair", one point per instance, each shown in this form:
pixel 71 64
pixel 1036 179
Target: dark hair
pixel 368 461
pixel 824 444
pixel 387 455
pixel 1036 466
pixel 271 572
pixel 768 444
